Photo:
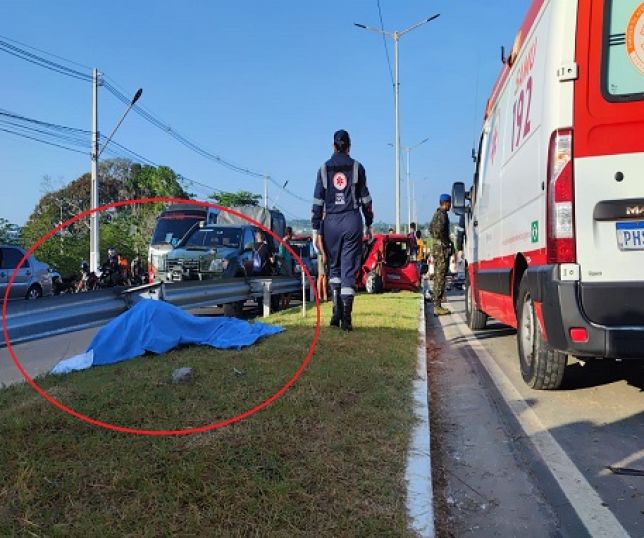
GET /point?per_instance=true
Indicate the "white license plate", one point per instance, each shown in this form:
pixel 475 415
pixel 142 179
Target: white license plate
pixel 630 235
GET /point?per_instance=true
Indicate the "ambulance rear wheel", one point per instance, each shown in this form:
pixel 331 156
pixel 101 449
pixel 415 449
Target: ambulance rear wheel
pixel 542 367
pixel 373 283
pixel 476 320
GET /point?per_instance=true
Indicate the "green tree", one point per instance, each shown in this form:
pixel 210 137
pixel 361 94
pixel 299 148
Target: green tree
pixel 9 233
pixel 128 228
pixel 234 199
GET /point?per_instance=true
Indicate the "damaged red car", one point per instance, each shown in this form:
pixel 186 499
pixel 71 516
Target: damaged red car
pixel 387 264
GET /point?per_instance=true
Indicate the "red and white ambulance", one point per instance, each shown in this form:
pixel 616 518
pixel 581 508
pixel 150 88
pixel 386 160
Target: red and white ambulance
pixel 555 216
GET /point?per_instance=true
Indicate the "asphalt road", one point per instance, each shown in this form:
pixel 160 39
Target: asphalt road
pixel 39 356
pixel 570 436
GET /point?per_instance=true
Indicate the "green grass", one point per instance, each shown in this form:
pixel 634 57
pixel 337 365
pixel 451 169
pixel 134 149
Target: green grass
pixel 327 459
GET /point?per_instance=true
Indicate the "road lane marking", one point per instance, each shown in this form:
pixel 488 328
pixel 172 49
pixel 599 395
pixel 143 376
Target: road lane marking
pixel 598 519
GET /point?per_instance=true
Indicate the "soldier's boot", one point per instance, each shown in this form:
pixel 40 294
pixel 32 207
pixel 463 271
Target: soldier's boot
pixel 347 307
pixel 439 310
pixel 337 307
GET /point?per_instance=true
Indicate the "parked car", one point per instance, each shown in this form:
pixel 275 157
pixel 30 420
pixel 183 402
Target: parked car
pixel 387 265
pixel 456 275
pixel 172 225
pixel 32 281
pixel 303 247
pixel 215 251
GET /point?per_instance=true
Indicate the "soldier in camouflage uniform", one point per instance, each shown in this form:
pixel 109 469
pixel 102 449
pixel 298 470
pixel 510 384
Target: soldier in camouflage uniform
pixel 441 251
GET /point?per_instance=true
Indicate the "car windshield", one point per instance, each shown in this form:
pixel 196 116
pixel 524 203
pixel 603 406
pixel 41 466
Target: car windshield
pixel 215 238
pixel 171 229
pixel 624 49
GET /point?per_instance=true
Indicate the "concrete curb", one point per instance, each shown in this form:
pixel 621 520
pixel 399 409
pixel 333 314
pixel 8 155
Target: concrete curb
pixel 418 474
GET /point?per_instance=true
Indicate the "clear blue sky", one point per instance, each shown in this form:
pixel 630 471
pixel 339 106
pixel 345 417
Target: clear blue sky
pixel 263 84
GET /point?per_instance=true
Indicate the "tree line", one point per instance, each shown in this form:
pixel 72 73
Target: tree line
pixel 128 228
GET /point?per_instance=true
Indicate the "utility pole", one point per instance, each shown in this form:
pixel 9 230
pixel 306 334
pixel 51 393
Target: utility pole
pixel 94 239
pixel 414 213
pixel 408 151
pixel 396 37
pixel 94 236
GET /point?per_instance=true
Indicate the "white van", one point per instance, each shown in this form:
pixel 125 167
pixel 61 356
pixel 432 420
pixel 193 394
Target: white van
pixel 555 219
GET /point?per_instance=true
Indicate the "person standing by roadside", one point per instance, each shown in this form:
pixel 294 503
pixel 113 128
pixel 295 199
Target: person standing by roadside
pixel 136 270
pixel 441 251
pixel 341 191
pixel 263 260
pixel 413 246
pixel 322 281
pixel 286 260
pixel 420 250
pixel 285 256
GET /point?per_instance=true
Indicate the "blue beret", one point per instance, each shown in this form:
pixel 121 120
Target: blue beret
pixel 445 198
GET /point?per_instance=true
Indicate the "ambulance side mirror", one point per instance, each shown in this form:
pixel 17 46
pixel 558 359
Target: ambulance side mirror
pixel 459 198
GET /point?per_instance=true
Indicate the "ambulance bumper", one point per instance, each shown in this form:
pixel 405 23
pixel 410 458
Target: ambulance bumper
pixel 562 308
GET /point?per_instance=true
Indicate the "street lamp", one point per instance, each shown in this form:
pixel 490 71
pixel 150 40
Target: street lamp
pixel 396 37
pixel 94 237
pixel 408 150
pixel 410 194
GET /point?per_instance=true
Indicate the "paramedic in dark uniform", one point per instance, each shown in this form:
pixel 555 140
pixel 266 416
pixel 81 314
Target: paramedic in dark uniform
pixel 340 193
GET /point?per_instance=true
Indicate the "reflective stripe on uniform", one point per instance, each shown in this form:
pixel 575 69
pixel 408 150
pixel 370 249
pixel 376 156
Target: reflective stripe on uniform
pixel 356 171
pixel 335 280
pixel 318 201
pixel 366 200
pixel 347 291
pixel 324 176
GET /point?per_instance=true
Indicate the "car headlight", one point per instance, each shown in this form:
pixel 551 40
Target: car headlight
pixel 218 265
pixel 159 262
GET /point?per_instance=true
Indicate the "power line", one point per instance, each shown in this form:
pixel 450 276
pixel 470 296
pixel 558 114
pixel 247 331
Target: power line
pixel 73 73
pixel 110 86
pixel 45 52
pixel 41 140
pixel 42 62
pixel 384 42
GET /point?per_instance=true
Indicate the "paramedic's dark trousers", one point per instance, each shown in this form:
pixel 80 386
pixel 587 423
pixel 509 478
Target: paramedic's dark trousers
pixel 343 244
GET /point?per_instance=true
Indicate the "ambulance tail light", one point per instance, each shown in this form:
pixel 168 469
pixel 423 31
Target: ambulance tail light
pixel 560 241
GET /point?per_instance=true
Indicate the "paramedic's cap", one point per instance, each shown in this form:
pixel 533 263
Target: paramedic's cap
pixel 341 137
pixel 445 198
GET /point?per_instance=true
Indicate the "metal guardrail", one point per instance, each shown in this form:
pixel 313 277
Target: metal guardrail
pixel 51 316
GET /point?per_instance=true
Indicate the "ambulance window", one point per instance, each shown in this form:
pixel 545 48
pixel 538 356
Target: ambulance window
pixel 477 170
pixel 623 69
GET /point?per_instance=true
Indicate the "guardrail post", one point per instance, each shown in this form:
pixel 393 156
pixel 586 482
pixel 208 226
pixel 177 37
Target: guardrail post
pixel 312 292
pixel 267 299
pixel 303 294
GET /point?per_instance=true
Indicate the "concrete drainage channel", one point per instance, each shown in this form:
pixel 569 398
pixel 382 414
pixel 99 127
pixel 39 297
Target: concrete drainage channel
pixel 418 474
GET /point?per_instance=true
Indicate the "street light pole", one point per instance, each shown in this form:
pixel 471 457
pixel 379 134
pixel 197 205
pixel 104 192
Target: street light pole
pixel 408 151
pixel 396 37
pixel 94 240
pixel 397 141
pixel 265 191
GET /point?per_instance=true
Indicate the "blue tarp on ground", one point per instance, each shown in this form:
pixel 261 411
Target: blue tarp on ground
pixel 158 327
